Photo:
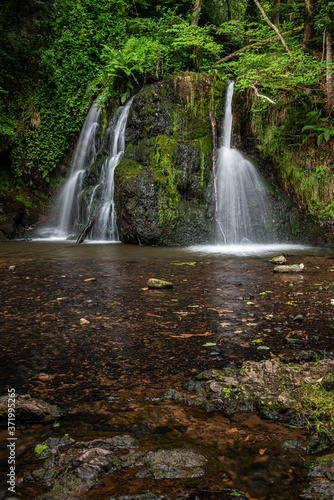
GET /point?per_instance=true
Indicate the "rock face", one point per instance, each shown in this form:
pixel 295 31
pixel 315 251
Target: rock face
pixel 14 214
pixel 163 185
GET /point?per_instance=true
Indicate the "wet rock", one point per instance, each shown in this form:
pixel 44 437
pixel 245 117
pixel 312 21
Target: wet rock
pixel 159 284
pixel 320 489
pixel 294 268
pixel 71 469
pixel 143 496
pixel 279 260
pixel 293 444
pixel 323 467
pixel 272 387
pixel 173 464
pixel 323 487
pixel 163 184
pixel 28 409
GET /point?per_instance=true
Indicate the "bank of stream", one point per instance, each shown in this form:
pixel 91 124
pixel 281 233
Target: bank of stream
pixel 81 329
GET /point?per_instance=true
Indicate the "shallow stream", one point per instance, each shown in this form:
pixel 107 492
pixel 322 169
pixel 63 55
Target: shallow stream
pixel 111 372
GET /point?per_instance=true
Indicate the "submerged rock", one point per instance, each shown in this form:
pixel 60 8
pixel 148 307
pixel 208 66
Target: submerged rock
pixel 322 487
pixel 71 470
pixel 172 464
pixel 159 284
pixel 28 409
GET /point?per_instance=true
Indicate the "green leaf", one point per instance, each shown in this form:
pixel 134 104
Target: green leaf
pixel 39 448
pixel 209 344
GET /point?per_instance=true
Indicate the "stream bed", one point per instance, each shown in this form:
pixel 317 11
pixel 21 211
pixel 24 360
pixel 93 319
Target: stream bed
pixel 110 371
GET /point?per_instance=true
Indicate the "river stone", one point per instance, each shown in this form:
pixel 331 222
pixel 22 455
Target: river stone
pixel 294 268
pixel 173 464
pixel 320 489
pixel 159 284
pixel 28 409
pixel 279 260
pixel 143 496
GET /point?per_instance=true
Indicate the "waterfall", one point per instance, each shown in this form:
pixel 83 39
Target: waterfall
pixel 244 205
pixel 74 210
pixel 70 196
pixel 105 227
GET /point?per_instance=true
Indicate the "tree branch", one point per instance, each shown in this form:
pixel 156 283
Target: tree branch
pixel 265 17
pixel 253 45
pixel 263 96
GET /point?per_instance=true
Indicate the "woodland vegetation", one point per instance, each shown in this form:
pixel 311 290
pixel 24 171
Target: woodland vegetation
pixel 59 55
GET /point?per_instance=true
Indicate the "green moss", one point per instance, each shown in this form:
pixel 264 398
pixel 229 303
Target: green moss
pixel 165 162
pixel 128 169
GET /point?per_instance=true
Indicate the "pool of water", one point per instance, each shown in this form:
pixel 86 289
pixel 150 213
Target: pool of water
pixel 110 373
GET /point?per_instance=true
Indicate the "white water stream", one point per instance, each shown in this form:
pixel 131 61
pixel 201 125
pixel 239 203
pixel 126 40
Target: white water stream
pixel 73 212
pixel 244 205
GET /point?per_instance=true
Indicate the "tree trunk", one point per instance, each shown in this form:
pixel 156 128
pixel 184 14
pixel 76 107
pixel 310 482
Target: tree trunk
pixel 308 25
pixel 265 17
pixel 196 12
pixel 229 10
pixel 329 67
pixel 275 18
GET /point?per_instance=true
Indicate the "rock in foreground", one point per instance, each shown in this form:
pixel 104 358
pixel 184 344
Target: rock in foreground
pixel 28 409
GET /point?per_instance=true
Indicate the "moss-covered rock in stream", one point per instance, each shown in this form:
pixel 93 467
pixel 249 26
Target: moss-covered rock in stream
pixel 287 391
pixel 163 184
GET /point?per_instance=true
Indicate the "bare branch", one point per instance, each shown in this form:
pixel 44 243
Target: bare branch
pixel 263 96
pixel 253 45
pixel 265 17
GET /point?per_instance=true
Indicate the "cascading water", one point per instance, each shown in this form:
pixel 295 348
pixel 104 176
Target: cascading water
pixel 74 210
pixel 70 196
pixel 244 207
pixel 105 227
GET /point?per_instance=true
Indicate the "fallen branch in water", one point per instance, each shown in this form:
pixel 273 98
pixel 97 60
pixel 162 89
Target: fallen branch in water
pixel 90 224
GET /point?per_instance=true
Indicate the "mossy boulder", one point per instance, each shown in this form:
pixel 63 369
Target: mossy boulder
pixel 163 185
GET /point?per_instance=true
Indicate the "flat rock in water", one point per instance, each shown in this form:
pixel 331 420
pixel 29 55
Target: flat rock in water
pixel 28 409
pixel 294 268
pixel 156 283
pixel 279 260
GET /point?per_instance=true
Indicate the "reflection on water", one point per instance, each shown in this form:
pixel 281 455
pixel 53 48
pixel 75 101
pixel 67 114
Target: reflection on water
pixel 139 342
pixel 119 251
